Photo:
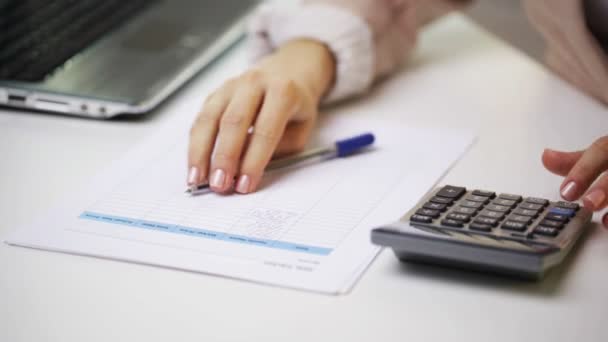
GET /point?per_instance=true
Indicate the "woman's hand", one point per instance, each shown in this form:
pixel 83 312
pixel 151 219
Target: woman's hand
pixel 269 110
pixel 585 173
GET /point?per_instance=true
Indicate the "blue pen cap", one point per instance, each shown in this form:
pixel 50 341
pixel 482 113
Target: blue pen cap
pixel 351 145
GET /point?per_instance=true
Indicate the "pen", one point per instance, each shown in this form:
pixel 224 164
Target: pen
pixel 340 149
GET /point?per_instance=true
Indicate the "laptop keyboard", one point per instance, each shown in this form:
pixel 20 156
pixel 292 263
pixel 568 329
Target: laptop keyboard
pixel 38 36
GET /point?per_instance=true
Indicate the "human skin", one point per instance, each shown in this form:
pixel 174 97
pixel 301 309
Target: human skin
pixel 269 110
pixel 279 97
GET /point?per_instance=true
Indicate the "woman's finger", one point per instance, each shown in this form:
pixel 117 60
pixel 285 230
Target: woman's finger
pixel 202 136
pixel 233 130
pixel 597 197
pixel 592 163
pixel 279 105
pixel 560 163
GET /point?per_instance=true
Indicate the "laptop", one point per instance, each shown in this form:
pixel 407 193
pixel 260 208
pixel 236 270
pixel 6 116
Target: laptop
pixel 102 58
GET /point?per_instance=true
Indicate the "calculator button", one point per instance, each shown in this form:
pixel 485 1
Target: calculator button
pixel 442 200
pixel 526 212
pixel 421 218
pixel 435 206
pixel 557 217
pixel 515 198
pixel 465 210
pixel 505 202
pixel 521 219
pixel 449 191
pixel 551 224
pixel 480 227
pixel 476 198
pixel 546 231
pixel 471 204
pixel 492 214
pixel 512 225
pixel 428 212
pixel 537 200
pixel 488 194
pixel 563 211
pixel 531 206
pixel 459 217
pixel 486 220
pixel 499 208
pixel 452 223
pixel 567 205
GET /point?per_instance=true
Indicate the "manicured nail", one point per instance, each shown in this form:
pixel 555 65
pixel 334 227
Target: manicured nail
pixel 569 191
pixel 193 176
pixel 218 178
pixel 242 186
pixel 595 198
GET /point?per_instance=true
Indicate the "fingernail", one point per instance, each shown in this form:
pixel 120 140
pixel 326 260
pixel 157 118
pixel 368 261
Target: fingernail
pixel 242 186
pixel 218 178
pixel 596 198
pixel 193 176
pixel 569 191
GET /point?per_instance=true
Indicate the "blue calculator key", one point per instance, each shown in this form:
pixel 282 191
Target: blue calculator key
pixel 563 211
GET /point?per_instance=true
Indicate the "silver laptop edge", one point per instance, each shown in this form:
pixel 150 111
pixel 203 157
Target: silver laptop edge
pixel 40 100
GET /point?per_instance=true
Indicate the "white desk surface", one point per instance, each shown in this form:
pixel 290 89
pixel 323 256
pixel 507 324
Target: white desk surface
pixel 460 77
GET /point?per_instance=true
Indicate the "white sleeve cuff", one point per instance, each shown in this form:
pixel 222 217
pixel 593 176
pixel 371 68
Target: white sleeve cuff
pixel 347 36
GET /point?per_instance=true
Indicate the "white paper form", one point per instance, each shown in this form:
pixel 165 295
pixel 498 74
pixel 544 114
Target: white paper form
pixel 307 228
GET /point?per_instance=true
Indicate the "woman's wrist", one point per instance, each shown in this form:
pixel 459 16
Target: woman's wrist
pixel 306 61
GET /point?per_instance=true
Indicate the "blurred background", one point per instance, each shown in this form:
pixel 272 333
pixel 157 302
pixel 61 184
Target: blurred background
pixel 506 19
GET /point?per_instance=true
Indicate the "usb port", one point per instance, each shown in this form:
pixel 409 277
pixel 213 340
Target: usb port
pixel 17 99
pixel 52 106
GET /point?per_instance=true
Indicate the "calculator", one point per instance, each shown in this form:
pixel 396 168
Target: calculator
pixel 481 230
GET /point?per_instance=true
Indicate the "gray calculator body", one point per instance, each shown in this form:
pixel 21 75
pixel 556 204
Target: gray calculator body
pixel 525 250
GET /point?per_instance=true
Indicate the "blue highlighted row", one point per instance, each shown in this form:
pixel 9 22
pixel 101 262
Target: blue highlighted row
pixel 209 234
